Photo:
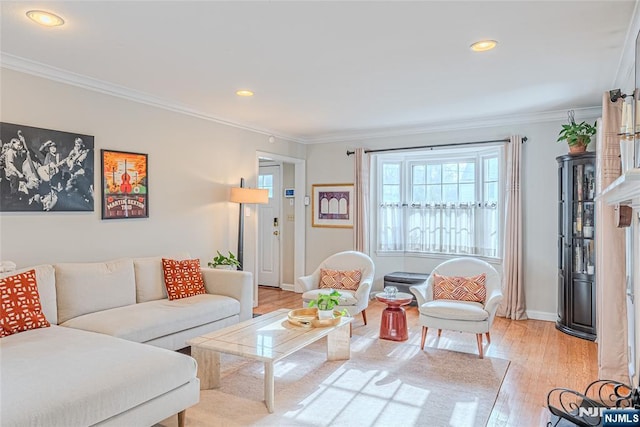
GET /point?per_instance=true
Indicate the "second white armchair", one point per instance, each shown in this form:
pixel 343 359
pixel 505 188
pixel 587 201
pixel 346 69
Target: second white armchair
pixel 459 314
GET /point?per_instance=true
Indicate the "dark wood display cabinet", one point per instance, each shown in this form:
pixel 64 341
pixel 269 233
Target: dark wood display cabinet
pixel 576 245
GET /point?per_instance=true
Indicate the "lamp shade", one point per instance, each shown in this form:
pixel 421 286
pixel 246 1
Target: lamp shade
pixel 249 195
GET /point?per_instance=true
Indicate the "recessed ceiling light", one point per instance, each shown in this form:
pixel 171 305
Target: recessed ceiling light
pixel 47 19
pixel 483 45
pixel 244 92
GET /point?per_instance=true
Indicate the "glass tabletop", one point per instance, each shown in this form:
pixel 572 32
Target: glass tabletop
pixel 397 296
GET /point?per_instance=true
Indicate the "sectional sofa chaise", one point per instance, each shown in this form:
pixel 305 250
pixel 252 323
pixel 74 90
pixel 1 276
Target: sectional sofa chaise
pixel 107 359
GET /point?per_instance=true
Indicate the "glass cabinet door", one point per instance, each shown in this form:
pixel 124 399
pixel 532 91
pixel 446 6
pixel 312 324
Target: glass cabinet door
pixel 584 182
pixel 583 218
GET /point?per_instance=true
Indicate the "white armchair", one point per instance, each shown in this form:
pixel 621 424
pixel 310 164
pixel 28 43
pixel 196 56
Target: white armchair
pixel 353 301
pixel 464 316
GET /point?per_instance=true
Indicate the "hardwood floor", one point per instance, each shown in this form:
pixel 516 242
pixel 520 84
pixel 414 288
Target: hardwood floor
pixel 541 357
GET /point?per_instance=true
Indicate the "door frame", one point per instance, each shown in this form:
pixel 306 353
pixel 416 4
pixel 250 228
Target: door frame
pixel 299 240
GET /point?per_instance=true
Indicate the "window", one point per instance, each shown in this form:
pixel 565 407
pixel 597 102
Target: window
pixel 444 202
pixel 265 182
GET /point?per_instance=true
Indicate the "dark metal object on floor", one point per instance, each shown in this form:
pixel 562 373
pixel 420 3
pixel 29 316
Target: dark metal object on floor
pixel 584 409
pixel 403 280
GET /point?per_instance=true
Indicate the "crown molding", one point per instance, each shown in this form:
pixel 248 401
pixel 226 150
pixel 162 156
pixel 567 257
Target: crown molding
pixel 38 69
pixel 456 125
pixel 27 66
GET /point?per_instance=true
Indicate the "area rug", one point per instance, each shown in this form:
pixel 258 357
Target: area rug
pixel 384 383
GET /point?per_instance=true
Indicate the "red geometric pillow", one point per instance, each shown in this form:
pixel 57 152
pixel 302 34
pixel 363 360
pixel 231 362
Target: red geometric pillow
pixel 20 308
pixel 339 279
pixel 183 278
pixel 460 288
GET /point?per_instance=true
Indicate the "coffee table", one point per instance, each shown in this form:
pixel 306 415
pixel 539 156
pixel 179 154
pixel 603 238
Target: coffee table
pixel 267 338
pixel 393 325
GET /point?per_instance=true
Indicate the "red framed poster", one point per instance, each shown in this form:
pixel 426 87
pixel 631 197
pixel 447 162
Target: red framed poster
pixel 125 185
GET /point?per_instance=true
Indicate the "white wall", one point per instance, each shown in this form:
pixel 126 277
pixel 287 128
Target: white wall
pixel 189 185
pixel 192 164
pixel 328 163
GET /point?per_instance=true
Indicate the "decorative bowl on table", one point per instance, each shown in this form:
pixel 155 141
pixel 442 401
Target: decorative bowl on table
pixel 308 318
pixel 390 291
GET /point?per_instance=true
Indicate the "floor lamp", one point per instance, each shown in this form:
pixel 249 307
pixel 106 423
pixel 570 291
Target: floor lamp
pixel 244 196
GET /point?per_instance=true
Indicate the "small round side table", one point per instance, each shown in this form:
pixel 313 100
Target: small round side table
pixel 393 325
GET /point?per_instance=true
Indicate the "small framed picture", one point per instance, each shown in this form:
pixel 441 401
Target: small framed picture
pixel 125 185
pixel 332 205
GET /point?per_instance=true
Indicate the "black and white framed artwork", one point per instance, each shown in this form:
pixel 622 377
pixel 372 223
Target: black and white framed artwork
pixel 45 170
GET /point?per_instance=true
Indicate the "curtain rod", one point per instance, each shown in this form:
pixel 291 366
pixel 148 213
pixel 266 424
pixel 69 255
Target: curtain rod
pixel 616 94
pixel 435 146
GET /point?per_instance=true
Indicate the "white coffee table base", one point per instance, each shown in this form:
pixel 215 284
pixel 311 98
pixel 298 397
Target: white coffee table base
pixel 283 338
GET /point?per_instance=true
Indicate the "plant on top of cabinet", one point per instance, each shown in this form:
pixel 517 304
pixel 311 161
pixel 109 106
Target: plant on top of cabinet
pixel 577 135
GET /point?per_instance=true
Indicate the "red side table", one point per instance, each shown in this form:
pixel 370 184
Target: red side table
pixel 393 325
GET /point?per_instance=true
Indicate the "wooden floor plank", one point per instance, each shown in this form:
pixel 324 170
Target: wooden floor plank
pixel 541 357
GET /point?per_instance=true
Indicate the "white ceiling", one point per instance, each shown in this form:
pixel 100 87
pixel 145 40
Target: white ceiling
pixel 328 70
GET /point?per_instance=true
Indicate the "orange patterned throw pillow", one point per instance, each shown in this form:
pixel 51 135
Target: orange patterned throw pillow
pixel 20 308
pixel 460 288
pixel 183 278
pixel 338 279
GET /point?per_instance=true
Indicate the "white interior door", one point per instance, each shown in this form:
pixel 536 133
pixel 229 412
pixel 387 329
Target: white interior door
pixel 269 227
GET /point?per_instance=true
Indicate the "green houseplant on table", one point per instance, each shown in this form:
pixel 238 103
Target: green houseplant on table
pixel 577 135
pixel 225 262
pixel 326 303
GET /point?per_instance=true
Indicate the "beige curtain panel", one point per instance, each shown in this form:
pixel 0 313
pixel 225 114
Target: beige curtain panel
pixel 611 297
pixel 513 305
pixel 361 206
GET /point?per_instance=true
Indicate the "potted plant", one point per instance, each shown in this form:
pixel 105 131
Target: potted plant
pixel 577 135
pixel 225 262
pixel 326 304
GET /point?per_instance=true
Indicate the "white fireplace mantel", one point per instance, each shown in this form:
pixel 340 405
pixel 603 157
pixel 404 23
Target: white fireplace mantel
pixel 625 190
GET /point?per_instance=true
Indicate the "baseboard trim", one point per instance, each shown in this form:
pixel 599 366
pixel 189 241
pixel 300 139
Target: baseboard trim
pixel 287 287
pixel 542 315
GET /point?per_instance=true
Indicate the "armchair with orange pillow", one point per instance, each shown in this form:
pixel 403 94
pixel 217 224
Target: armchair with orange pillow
pixel 350 273
pixel 461 294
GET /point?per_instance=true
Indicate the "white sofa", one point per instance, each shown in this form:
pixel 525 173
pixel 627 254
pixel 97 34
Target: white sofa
pixel 89 368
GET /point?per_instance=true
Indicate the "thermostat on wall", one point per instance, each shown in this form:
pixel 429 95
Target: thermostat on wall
pixel 288 192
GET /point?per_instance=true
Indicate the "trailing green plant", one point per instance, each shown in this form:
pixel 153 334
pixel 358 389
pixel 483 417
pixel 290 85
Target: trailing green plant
pixel 220 259
pixel 576 133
